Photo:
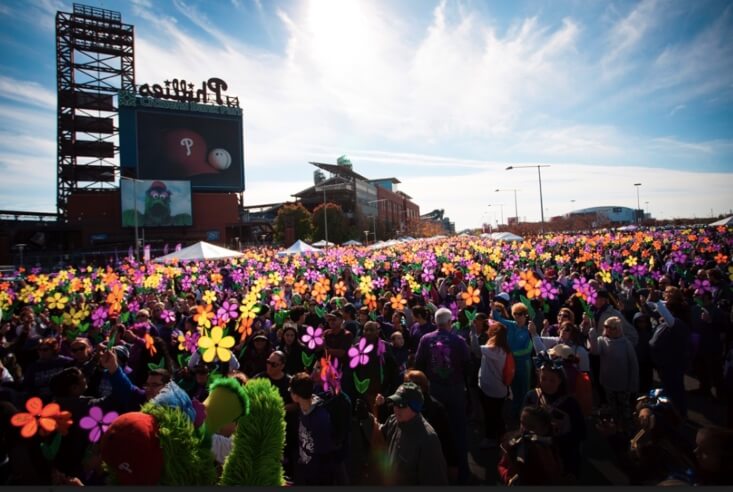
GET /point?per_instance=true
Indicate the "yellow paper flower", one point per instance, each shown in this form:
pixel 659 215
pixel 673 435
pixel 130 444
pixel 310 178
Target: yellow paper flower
pixel 216 345
pixel 606 276
pixel 57 301
pixel 209 297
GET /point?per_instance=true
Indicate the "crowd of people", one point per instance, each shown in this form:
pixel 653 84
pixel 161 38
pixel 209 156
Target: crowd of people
pixel 385 359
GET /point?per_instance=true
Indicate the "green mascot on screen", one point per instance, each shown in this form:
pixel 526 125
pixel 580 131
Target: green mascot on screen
pixel 157 209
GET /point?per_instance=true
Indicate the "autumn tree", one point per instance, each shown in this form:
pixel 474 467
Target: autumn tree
pixel 338 227
pixel 293 222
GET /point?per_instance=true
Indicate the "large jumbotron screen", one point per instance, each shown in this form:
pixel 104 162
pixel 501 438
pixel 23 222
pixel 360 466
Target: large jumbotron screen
pixel 205 149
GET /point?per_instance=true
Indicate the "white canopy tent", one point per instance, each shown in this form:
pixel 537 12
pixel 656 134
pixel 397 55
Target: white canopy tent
pixel 199 251
pixel 322 243
pixel 352 243
pixel 503 236
pixel 298 247
pixel 728 221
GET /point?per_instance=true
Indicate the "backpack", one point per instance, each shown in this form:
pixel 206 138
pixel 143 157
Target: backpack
pixel 507 374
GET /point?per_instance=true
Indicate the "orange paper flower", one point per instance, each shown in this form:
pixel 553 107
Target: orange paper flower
pixel 37 415
pixel 471 296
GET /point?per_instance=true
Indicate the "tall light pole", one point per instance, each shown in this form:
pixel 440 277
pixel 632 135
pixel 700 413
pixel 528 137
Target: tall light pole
pixel 539 176
pixel 501 206
pixel 516 213
pixel 375 216
pixel 638 204
pixel 325 216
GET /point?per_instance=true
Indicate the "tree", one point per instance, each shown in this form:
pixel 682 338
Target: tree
pixel 293 222
pixel 338 228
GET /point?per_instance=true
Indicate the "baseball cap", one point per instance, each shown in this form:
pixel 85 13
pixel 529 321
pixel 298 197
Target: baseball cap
pixel 408 395
pixel 503 296
pixel 335 313
pixel 131 448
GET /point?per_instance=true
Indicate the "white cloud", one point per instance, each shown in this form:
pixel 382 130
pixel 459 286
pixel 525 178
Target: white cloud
pixel 27 92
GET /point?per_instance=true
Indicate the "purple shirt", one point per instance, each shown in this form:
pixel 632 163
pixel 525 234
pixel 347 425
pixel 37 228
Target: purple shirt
pixel 443 357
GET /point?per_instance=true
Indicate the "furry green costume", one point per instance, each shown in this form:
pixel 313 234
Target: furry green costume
pixel 161 446
pixel 257 447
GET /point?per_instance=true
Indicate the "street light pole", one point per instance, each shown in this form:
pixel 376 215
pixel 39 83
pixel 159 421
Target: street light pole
pixel 501 207
pixel 638 204
pixel 516 213
pixel 375 216
pixel 539 175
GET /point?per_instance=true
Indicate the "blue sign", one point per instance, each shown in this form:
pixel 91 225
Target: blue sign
pixel 102 236
pixel 212 235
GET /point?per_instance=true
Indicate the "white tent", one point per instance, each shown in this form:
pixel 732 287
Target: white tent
pixel 352 243
pixel 199 251
pixel 298 247
pixel 322 243
pixel 728 221
pixel 505 236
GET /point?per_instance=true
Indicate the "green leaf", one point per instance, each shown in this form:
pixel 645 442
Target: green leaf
pixel 307 360
pixel 71 334
pixel 471 314
pixel 528 305
pixel 112 340
pixel 320 311
pixel 280 317
pixel 586 308
pixel 338 302
pixel 84 327
pixel 56 319
pixel 124 317
pixel 373 315
pixel 159 365
pixel 182 360
pixel 545 307
pixel 361 386
pixel 51 450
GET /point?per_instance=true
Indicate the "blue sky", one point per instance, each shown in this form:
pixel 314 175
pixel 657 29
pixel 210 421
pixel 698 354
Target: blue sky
pixel 443 95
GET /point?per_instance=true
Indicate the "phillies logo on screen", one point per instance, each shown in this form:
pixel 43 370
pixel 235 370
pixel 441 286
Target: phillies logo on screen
pixel 190 153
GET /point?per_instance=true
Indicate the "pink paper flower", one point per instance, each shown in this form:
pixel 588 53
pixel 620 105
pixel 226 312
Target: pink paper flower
pixel 312 338
pixel 168 316
pixel 359 354
pixel 228 311
pixel 97 423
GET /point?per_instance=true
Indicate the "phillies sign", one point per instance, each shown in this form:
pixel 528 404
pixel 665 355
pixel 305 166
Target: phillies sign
pixel 179 90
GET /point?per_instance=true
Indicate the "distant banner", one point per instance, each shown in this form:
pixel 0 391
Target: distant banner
pixel 146 252
pixel 158 203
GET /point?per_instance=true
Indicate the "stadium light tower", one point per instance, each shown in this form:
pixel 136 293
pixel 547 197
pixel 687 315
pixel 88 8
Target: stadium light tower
pixel 539 175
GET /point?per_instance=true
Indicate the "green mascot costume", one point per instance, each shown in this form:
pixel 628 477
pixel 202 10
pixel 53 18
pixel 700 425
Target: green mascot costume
pixel 161 445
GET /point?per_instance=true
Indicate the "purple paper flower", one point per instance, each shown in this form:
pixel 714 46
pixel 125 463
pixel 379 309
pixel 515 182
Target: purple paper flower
pixel 548 290
pixel 427 275
pixel 168 316
pixel 191 341
pixel 312 338
pixel 359 354
pixel 228 311
pixel 97 423
pixel 702 286
pixel 638 270
pixel 99 316
pixel 133 306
